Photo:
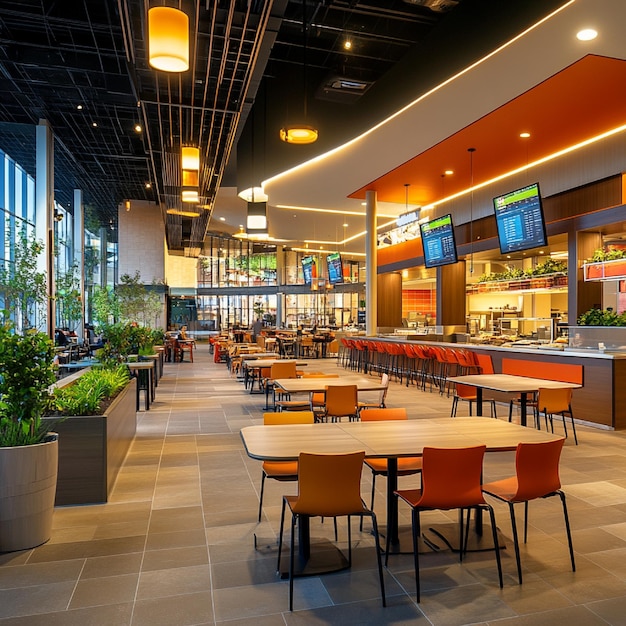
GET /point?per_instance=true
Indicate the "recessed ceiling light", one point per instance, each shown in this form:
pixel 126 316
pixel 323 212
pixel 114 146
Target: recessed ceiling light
pixel 347 44
pixel 138 128
pixel 80 107
pixel 449 172
pixel 148 185
pixel 524 135
pixel 94 124
pixel 345 226
pixel 586 34
pixel 223 219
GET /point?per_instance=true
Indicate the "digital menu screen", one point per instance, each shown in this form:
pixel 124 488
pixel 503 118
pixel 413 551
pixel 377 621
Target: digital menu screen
pixel 438 242
pixel 308 269
pixel 520 221
pixel 335 268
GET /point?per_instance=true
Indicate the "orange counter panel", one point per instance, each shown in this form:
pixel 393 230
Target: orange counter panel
pixel 550 371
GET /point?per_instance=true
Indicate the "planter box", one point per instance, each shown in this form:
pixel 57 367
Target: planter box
pixel 613 270
pixel 92 449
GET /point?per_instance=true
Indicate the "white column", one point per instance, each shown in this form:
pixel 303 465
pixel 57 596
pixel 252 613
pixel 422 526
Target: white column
pixel 371 296
pixel 44 213
pixel 78 240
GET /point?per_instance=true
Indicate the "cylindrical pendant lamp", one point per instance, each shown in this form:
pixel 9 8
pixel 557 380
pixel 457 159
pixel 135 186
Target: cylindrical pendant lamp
pixel 190 156
pixel 168 39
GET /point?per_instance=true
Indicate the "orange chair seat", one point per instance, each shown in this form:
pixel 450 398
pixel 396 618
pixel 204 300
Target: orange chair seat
pixel 406 466
pixel 278 469
pixel 505 489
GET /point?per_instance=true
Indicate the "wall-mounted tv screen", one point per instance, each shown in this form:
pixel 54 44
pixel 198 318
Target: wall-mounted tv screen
pixel 335 268
pixel 520 221
pixel 308 269
pixel 438 242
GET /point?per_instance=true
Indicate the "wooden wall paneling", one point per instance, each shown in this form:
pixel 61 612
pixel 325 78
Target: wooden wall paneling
pixel 451 297
pixel 389 299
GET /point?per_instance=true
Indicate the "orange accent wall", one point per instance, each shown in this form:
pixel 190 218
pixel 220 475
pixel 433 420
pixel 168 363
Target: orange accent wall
pixel 548 371
pixel 420 300
pixel 400 252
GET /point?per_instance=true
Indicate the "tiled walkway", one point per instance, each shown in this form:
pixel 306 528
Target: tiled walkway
pixel 175 545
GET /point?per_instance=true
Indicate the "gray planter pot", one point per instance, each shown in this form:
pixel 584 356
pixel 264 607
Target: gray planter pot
pixel 28 480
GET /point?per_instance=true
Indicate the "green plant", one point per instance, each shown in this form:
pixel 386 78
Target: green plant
pixel 22 286
pixel 68 297
pixel 549 266
pixel 26 373
pixel 600 317
pixel 86 395
pixel 609 254
pixel 121 339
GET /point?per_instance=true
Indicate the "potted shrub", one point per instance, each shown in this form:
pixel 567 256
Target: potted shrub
pixel 28 451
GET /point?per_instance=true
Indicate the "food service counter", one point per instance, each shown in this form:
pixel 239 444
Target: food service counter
pixel 602 399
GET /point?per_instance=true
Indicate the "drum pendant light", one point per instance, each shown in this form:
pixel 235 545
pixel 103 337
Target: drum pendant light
pixel 168 39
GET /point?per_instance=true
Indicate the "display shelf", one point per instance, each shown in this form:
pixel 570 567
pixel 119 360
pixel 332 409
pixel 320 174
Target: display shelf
pixel 520 285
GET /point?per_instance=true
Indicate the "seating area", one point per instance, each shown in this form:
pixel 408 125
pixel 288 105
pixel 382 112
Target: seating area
pixel 178 535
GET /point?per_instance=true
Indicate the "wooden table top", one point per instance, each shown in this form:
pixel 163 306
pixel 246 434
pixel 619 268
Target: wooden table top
pixel 510 383
pixel 386 439
pixel 303 385
pixel 259 363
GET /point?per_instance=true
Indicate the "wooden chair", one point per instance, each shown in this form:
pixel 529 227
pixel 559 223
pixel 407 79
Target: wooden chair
pixel 407 466
pixel 536 476
pixel 284 471
pixel 451 479
pixel 329 485
pixel 173 350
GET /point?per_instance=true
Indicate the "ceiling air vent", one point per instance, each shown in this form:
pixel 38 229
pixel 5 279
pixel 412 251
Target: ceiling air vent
pixel 342 89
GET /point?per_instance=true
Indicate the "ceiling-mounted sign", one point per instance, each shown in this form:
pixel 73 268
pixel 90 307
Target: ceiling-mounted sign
pixel 407 227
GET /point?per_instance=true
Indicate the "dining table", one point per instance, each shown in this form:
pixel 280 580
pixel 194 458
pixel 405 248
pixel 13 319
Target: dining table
pixel 509 383
pixel 385 439
pixel 252 368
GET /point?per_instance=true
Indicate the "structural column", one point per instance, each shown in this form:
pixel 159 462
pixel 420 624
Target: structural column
pixel 371 295
pixel 78 240
pixel 44 213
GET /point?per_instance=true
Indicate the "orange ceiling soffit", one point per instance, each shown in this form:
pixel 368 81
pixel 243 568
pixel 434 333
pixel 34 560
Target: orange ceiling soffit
pixel 583 100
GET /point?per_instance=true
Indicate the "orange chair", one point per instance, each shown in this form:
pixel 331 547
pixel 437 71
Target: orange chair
pixel 536 476
pixel 468 394
pixel 451 479
pixel 340 401
pixel 556 402
pixel 329 485
pixel 407 466
pixel 284 471
pixel 280 369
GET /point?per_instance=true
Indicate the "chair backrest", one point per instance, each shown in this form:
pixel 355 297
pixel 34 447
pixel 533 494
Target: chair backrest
pixel 485 363
pixel 341 400
pixel 537 469
pixel 285 369
pixel 376 415
pixel 288 417
pixel 329 484
pixel 451 477
pixel 554 400
pixel 465 392
pixel 383 392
